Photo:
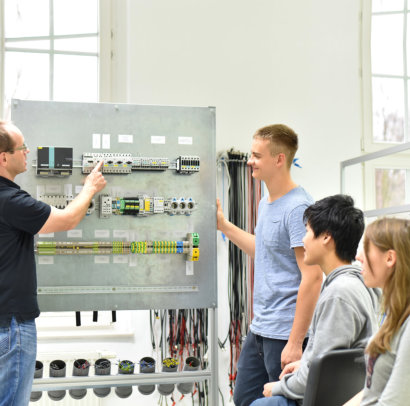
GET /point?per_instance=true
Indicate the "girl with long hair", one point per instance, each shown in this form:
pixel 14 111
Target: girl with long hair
pixel 386 264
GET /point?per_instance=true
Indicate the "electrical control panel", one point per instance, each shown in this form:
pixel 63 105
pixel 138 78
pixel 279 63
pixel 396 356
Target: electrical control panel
pixel 149 237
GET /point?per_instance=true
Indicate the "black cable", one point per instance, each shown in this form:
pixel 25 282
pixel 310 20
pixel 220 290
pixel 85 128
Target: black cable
pixel 77 319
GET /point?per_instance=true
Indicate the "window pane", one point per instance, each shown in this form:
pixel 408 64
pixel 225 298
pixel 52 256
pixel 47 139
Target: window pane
pixel 26 76
pixel 76 78
pixel 29 44
pixel 390 187
pixel 388 110
pixel 19 21
pixel 75 16
pixel 387 44
pixel 77 44
pixel 387 5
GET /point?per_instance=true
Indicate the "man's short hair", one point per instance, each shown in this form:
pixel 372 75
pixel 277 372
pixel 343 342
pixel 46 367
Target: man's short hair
pixel 282 140
pixel 337 216
pixel 6 142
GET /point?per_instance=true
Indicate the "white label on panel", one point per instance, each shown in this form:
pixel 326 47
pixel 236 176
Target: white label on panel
pixel 68 190
pixel 120 234
pixel 106 141
pixel 78 189
pixel 157 139
pixel 49 235
pixel 75 234
pixel 96 141
pixel 102 233
pixel 54 189
pixel 132 261
pixel 45 260
pixel 189 268
pixel 126 138
pixel 120 259
pixel 102 259
pixel 185 140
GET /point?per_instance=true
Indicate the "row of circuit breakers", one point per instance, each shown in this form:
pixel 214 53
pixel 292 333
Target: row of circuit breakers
pixel 58 161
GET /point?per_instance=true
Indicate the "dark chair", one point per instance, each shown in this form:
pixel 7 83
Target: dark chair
pixel 335 377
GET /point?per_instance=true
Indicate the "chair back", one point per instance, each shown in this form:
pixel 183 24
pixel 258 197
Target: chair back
pixel 335 377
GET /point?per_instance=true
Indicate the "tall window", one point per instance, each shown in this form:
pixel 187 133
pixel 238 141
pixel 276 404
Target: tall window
pixel 390 53
pixel 51 50
pixel 386 74
pixel 54 50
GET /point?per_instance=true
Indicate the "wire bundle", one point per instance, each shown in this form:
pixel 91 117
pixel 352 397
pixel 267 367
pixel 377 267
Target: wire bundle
pixel 183 333
pixel 244 194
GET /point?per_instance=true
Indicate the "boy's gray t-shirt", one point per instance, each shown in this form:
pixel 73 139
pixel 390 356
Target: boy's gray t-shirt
pixel 279 229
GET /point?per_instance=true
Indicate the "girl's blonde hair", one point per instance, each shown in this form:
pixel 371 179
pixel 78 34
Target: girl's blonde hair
pixel 391 234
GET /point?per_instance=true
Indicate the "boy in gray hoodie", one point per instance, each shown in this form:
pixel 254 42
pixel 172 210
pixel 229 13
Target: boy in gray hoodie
pixel 346 312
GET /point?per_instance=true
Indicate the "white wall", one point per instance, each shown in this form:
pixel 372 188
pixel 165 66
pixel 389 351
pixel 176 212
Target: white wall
pixel 259 62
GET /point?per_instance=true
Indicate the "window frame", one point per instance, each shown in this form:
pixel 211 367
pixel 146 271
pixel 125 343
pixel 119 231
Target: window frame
pixel 367 142
pixel 104 85
pixel 104 52
pixel 398 160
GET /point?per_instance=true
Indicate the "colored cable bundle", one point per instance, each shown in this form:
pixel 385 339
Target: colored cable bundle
pixel 183 333
pixel 244 194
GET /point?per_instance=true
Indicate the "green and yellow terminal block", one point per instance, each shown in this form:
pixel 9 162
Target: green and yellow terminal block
pixel 189 247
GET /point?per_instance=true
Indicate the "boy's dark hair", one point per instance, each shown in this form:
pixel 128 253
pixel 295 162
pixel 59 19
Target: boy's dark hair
pixel 337 216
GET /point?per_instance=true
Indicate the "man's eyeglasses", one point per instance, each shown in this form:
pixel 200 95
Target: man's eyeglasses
pixel 24 147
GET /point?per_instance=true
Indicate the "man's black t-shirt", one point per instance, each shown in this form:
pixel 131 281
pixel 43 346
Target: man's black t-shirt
pixel 21 217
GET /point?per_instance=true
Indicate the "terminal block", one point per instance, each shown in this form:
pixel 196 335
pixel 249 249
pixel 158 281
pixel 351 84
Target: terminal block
pixel 105 206
pixel 180 206
pixel 58 201
pixel 189 247
pixel 151 164
pixel 193 239
pixel 188 164
pixel 62 201
pixel 54 161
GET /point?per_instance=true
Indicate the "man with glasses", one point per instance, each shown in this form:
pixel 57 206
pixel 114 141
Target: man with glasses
pixel 21 217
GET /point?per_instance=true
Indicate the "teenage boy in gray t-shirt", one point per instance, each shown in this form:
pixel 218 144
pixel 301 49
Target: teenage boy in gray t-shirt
pixel 285 289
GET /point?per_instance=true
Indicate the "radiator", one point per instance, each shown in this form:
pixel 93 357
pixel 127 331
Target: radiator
pixel 69 357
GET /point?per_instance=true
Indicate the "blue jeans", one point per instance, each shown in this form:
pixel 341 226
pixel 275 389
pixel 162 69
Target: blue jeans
pixel 274 401
pixel 258 364
pixel 18 347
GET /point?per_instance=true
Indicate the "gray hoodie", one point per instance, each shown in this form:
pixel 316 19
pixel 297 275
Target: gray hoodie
pixel 345 317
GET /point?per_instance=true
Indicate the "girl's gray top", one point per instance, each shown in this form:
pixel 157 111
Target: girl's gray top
pixel 388 374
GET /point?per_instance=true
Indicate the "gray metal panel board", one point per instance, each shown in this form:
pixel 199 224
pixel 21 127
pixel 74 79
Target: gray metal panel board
pixel 132 281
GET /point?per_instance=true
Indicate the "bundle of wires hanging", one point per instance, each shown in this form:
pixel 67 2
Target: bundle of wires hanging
pixel 244 194
pixel 183 332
